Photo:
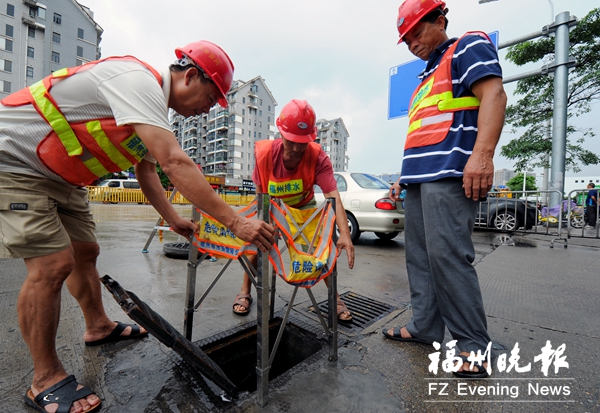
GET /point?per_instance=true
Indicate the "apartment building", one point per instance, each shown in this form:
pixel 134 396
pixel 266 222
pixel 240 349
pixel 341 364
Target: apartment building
pixel 333 137
pixel 502 176
pixel 222 141
pixel 38 38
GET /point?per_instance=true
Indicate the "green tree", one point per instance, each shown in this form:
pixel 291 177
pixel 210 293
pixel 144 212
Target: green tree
pixel 534 109
pixel 516 183
pixel 164 179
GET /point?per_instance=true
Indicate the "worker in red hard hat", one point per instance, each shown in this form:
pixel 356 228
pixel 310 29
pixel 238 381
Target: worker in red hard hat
pixel 455 116
pixel 296 157
pixel 63 133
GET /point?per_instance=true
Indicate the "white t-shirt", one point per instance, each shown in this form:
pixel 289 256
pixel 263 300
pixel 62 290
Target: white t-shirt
pixel 124 90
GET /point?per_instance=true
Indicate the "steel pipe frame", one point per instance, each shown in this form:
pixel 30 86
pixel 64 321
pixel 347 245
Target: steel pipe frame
pixel 264 290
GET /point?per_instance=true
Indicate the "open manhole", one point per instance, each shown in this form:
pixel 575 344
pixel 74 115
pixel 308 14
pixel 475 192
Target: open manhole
pixel 228 359
pixel 365 311
pixel 236 353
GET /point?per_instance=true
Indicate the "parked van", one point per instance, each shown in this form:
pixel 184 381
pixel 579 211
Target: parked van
pixel 117 190
pixel 120 183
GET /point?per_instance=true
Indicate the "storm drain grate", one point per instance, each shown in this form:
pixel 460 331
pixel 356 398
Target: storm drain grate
pixel 365 311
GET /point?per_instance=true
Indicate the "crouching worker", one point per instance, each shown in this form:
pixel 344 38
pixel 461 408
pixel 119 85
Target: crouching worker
pixel 295 157
pixel 61 134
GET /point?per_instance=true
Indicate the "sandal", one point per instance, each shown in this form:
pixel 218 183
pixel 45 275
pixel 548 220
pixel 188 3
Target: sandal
pixel 64 393
pixel 481 372
pixel 115 335
pixel 341 309
pixel 244 300
pixel 397 335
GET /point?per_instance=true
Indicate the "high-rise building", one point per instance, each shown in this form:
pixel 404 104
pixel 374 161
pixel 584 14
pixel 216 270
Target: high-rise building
pixel 37 39
pixel 222 141
pixel 502 176
pixel 333 137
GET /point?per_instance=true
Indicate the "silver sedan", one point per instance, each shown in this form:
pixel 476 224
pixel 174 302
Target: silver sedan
pixel 366 201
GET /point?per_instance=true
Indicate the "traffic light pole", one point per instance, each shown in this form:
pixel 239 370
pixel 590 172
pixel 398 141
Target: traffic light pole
pixel 561 87
pixel 560 68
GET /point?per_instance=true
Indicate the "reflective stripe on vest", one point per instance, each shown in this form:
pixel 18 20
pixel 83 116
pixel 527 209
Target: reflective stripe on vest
pixel 55 118
pixel 433 105
pixel 95 129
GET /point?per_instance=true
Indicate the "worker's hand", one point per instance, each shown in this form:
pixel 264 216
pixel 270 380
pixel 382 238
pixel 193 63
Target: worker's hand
pixel 478 176
pixel 184 227
pixel 345 243
pixel 395 192
pixel 255 231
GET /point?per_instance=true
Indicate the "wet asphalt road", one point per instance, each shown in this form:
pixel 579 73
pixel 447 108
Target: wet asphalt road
pixel 533 294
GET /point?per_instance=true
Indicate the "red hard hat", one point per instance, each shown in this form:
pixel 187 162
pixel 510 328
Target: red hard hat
pixel 412 11
pixel 215 63
pixel 297 122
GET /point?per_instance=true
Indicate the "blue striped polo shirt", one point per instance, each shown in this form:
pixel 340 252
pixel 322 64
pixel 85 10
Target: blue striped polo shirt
pixel 474 58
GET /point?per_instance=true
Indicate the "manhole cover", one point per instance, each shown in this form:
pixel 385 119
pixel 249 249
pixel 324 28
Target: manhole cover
pixel 181 250
pixel 160 328
pixel 177 250
pixel 365 311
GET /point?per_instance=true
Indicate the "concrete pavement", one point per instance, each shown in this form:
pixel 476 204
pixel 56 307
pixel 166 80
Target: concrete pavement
pixel 533 294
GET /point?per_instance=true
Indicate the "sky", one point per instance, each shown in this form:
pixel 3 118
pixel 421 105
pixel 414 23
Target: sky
pixel 336 54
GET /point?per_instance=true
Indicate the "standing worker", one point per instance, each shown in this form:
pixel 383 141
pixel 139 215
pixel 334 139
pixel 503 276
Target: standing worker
pixel 61 134
pixel 296 159
pixel 456 116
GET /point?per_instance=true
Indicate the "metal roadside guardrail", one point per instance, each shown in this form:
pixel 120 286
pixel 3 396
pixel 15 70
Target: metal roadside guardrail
pixel 578 218
pixel 525 212
pixel 529 212
pixel 126 195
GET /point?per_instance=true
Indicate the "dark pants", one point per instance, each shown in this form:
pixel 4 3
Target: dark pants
pixel 439 255
pixel 590 213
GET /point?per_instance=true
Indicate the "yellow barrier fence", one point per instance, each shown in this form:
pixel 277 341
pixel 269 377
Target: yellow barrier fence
pixel 124 195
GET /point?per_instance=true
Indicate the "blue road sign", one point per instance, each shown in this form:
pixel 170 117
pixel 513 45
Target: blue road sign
pixel 403 81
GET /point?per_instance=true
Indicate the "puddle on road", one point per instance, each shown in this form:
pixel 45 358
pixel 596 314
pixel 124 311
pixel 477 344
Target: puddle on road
pixel 144 376
pixel 505 239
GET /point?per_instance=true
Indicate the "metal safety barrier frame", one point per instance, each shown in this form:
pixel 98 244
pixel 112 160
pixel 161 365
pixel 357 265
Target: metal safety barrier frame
pixel 572 229
pixel 265 291
pixel 518 203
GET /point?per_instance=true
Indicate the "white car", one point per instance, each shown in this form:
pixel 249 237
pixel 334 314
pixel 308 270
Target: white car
pixel 120 183
pixel 117 190
pixel 367 204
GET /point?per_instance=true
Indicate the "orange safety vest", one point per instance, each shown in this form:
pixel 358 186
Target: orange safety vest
pixel 81 152
pixel 296 190
pixel 432 104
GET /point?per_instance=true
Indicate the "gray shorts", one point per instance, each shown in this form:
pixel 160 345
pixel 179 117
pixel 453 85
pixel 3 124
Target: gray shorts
pixel 40 217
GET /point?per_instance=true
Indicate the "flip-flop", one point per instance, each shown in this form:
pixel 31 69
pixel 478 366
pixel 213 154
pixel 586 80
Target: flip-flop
pixel 341 308
pixel 115 335
pixel 63 393
pixel 397 335
pixel 239 300
pixel 481 372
